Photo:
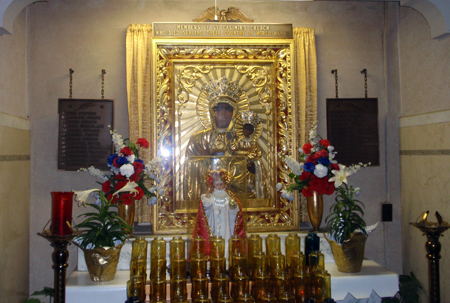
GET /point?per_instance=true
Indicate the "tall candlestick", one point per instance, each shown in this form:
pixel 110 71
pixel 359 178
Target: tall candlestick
pixel 61 213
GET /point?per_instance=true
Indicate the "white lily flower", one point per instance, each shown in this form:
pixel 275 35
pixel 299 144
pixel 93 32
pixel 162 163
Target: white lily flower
pixel 129 187
pixel 330 148
pixel 340 176
pixel 82 195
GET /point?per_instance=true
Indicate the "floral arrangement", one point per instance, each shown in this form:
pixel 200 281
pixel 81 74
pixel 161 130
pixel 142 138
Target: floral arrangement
pixel 317 171
pixel 125 167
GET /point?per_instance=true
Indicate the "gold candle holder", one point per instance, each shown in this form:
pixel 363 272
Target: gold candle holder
pixel 239 286
pixel 216 247
pixel 246 298
pixel 273 244
pixel 198 246
pixel 298 263
pixel 178 267
pixel 292 245
pixel 198 267
pixel 282 283
pixel 316 261
pixel 254 246
pixel 177 248
pixel 220 286
pixel 157 291
pixel 139 249
pixel 158 269
pixel 158 248
pixel 199 287
pixel 178 288
pixel 277 263
pixel 302 287
pixel 261 286
pixel 216 266
pixel 260 264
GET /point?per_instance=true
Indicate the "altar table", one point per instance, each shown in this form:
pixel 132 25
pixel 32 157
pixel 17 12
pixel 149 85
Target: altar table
pixel 80 288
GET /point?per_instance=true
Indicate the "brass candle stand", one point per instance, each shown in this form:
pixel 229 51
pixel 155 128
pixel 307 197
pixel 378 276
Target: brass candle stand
pixel 433 231
pixel 60 256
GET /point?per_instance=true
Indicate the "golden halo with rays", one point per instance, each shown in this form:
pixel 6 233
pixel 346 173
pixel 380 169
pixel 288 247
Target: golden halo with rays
pixel 203 104
pixel 239 127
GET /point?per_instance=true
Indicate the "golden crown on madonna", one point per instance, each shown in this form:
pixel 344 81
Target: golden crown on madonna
pixel 222 88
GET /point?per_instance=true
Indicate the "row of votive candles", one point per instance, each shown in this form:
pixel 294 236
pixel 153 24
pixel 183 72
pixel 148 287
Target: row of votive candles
pixel 254 276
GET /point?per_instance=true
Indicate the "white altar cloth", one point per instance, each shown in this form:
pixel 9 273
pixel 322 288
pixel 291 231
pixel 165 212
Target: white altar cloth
pixel 80 289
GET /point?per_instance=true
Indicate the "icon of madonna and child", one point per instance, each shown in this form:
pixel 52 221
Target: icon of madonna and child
pixel 223 162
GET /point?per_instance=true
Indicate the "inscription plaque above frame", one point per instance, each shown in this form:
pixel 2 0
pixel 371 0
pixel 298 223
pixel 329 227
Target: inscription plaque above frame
pixel 84 139
pixel 352 128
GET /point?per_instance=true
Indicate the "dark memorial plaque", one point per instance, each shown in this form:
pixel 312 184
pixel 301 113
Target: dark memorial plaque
pixel 352 128
pixel 84 138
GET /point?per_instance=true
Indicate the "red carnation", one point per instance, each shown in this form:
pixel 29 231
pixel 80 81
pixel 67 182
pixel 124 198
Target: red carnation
pixel 115 162
pixel 119 177
pixel 334 166
pixel 120 184
pixel 307 148
pixel 305 176
pixel 143 142
pixel 106 186
pixel 324 142
pixel 322 154
pixel 320 185
pixel 307 192
pixel 126 198
pixel 330 188
pixel 114 200
pixel 313 158
pixel 139 194
pixel 126 151
pixel 138 167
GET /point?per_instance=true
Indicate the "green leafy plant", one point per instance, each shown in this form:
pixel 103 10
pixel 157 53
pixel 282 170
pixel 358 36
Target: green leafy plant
pixel 346 214
pixel 103 227
pixel 47 291
pixel 409 289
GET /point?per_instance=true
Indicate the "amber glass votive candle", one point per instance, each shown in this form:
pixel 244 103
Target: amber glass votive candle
pixel 199 287
pixel 216 247
pixel 240 265
pixel 157 291
pixel 198 246
pixel 273 244
pixel 61 213
pixel 178 267
pixel 225 299
pixel 198 267
pixel 220 286
pixel 282 283
pixel 136 288
pixel 202 299
pixel 277 263
pixel 268 298
pixel 292 245
pixel 298 263
pixel 302 287
pixel 158 269
pixel 316 261
pixel 260 264
pixel 158 248
pixel 239 286
pixel 254 246
pixel 178 287
pixel 286 297
pixel 216 266
pixel 177 248
pixel 138 268
pixel 235 244
pixel 261 286
pixel 139 249
pixel 246 298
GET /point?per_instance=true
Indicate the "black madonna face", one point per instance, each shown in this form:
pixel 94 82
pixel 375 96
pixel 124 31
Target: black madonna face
pixel 223 113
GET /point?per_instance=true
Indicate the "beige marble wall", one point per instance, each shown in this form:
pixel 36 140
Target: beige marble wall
pixel 425 140
pixel 15 205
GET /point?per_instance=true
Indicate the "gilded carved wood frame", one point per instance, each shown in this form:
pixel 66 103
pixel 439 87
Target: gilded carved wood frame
pixel 264 68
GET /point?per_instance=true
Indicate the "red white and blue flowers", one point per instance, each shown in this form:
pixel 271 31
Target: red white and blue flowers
pixel 317 170
pixel 127 169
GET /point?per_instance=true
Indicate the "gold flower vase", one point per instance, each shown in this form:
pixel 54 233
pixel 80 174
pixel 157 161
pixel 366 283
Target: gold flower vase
pixel 315 209
pixel 102 262
pixel 126 212
pixel 349 256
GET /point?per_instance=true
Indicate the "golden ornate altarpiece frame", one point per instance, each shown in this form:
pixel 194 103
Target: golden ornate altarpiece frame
pixel 264 67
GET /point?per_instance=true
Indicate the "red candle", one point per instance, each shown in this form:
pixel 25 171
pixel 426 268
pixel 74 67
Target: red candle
pixel 61 213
